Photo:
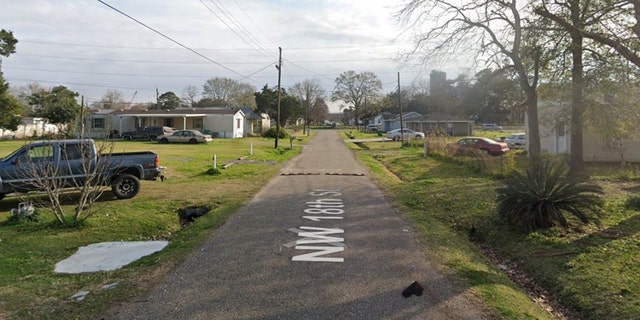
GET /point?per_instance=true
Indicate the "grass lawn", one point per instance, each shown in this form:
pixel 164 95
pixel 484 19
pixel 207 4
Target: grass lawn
pixel 29 289
pixel 593 270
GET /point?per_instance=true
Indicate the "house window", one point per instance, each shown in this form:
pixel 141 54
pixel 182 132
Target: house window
pixel 98 123
pixel 238 123
pixel 198 123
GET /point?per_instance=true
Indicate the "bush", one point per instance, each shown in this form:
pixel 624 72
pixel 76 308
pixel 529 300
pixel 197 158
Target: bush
pixel 633 203
pixel 544 195
pixel 271 133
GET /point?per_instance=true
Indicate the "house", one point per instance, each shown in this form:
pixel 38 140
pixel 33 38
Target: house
pixel 392 123
pixel 426 124
pixel 219 122
pixel 555 138
pixel 453 126
pixel 382 120
pixel 255 123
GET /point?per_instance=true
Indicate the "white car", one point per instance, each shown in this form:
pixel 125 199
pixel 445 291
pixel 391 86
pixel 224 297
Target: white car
pixel 516 141
pixel 185 136
pixel 491 126
pixel 395 135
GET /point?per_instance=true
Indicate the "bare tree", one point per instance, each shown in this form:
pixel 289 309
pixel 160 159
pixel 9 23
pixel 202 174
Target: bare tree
pixel 355 88
pixel 580 21
pixel 189 95
pixel 112 99
pixel 611 24
pixel 78 165
pixel 309 92
pixel 494 31
pixel 233 93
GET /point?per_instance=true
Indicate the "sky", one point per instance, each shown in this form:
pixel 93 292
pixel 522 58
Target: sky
pixel 138 46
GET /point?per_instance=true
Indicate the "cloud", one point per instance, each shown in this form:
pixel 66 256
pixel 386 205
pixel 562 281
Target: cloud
pixel 91 48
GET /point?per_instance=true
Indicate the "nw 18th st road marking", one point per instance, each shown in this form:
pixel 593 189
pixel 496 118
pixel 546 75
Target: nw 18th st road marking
pixel 321 240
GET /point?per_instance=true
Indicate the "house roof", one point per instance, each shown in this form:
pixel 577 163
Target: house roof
pixel 405 116
pixel 250 114
pixel 186 112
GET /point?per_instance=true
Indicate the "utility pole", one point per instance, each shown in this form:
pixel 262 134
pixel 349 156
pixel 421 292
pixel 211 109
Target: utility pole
pixel 279 67
pixel 400 105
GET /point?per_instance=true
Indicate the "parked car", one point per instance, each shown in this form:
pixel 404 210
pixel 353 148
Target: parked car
pixel 147 133
pixel 516 141
pixel 491 126
pixel 185 136
pixel 486 145
pixel 395 135
pixel 63 164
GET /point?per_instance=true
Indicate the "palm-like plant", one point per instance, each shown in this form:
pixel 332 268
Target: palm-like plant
pixel 543 196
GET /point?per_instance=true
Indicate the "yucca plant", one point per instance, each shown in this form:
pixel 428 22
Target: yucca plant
pixel 543 197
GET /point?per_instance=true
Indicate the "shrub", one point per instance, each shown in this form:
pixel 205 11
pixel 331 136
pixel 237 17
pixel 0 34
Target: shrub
pixel 633 203
pixel 543 196
pixel 271 133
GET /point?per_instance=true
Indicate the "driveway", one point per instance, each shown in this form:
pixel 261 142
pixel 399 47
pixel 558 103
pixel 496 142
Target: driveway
pixel 319 241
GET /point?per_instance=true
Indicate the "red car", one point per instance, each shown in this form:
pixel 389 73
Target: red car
pixel 487 145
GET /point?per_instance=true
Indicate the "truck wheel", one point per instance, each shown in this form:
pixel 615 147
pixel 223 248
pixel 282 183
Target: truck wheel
pixel 164 140
pixel 128 138
pixel 125 186
pixel 153 138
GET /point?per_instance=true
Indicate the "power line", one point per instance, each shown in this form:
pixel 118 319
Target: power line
pixel 253 22
pixel 130 61
pixel 201 49
pixel 171 39
pixel 259 48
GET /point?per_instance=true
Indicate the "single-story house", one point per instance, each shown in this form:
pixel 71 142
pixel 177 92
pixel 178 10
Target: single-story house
pixel 428 123
pixel 555 138
pixel 255 123
pixel 439 121
pixel 219 122
pixel 382 120
pixel 393 123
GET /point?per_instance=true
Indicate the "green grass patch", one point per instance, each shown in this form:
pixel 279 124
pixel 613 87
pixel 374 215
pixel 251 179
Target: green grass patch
pixel 29 289
pixel 592 270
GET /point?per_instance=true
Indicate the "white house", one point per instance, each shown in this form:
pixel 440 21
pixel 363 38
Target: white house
pixel 555 138
pixel 219 122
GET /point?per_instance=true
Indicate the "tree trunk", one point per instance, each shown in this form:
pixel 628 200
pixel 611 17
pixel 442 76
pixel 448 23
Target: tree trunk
pixel 576 162
pixel 533 136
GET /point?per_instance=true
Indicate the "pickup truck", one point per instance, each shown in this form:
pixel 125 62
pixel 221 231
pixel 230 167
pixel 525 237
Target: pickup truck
pixel 69 163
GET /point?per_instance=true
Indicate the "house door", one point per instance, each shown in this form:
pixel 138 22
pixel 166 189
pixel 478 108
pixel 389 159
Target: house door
pixel 561 140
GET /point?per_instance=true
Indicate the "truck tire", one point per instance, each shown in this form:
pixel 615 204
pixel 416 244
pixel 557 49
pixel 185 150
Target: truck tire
pixel 125 186
pixel 128 138
pixel 153 138
pixel 164 140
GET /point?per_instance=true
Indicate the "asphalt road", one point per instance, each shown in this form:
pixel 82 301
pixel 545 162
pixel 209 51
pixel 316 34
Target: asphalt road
pixel 319 241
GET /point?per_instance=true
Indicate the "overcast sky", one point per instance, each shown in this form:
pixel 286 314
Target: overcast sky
pixel 90 47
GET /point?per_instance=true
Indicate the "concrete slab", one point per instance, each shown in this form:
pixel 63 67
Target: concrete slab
pixel 107 256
